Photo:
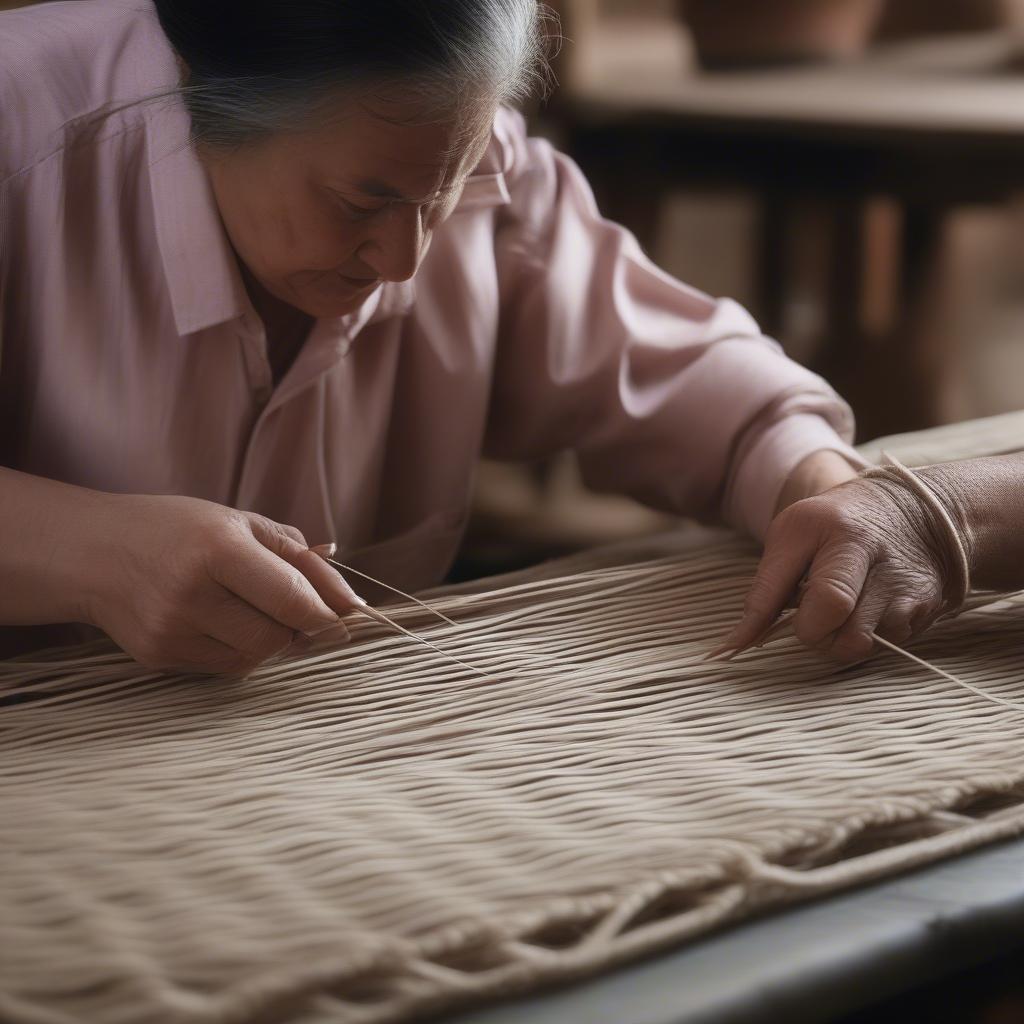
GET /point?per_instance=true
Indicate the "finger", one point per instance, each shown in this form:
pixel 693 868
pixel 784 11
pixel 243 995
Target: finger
pixel 240 626
pixel 834 584
pixel 328 582
pixel 337 634
pixel 293 532
pixel 907 617
pixel 853 641
pixel 786 557
pixel 203 655
pixel 256 573
pixel 301 644
pixel 897 622
pixel 216 658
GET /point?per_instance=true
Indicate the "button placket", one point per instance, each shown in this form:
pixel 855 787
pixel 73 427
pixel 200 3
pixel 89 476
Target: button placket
pixel 253 339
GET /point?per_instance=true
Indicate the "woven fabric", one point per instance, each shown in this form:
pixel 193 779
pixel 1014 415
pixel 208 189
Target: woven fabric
pixel 368 834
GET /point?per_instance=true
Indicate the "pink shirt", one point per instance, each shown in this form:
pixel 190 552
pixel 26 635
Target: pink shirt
pixel 132 359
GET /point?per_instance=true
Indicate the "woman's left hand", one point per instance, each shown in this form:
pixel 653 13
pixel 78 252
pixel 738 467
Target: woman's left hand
pixel 860 558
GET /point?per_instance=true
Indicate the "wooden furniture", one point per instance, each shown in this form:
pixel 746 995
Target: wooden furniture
pixel 736 32
pixel 929 125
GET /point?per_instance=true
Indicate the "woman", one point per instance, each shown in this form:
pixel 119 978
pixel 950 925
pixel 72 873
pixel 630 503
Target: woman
pixel 281 272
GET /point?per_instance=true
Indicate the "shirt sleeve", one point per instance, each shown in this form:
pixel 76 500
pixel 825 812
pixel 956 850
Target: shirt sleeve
pixel 666 394
pixel 5 218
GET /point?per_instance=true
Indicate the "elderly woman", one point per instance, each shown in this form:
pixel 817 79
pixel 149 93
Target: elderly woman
pixel 281 272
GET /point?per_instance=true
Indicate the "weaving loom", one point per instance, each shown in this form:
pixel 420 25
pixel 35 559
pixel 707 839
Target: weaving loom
pixel 368 834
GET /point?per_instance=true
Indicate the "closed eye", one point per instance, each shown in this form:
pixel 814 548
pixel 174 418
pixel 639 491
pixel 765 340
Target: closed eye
pixel 355 209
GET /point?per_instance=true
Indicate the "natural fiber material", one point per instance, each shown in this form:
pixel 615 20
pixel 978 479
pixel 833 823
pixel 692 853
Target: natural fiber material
pixel 368 833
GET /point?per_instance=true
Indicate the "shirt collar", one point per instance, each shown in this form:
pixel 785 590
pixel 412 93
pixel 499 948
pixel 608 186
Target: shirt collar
pixel 200 267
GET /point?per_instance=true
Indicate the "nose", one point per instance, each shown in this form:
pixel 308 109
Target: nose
pixel 397 245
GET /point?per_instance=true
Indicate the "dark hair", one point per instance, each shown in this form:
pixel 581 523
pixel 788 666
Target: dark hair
pixel 255 65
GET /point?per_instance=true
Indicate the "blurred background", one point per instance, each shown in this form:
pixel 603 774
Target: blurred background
pixel 852 171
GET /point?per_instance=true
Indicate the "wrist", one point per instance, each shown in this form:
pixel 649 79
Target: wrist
pixel 938 527
pixel 986 498
pixel 820 471
pixel 91 557
pixel 948 491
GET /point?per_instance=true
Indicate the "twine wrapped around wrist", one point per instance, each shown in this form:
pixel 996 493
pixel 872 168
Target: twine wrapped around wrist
pixel 958 583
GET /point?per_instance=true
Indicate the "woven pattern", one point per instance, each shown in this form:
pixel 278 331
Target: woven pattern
pixel 366 834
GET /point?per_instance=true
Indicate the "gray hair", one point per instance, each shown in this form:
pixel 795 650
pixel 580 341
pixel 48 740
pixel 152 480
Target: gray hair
pixel 258 68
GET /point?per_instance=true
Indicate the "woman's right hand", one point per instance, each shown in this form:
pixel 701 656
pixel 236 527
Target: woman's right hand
pixel 186 584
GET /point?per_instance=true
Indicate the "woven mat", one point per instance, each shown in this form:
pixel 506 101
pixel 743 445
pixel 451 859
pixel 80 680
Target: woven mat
pixel 371 834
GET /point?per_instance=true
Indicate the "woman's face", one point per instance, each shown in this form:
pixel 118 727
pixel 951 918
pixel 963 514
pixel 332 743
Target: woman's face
pixel 322 215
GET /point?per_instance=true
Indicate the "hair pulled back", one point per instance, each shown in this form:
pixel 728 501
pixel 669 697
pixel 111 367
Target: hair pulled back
pixel 255 65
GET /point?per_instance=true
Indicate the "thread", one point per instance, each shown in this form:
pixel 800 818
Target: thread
pixel 947 675
pixel 378 616
pixel 387 586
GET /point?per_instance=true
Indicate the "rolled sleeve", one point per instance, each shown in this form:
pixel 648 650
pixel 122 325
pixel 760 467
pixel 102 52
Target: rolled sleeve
pixel 753 494
pixel 666 394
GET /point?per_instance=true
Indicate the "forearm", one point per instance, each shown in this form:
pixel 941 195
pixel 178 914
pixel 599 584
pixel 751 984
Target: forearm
pixel 986 500
pixel 46 529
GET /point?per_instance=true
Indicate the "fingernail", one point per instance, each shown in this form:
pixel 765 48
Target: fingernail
pixel 727 643
pixel 325 550
pixel 322 629
pixel 724 653
pixel 350 595
pixel 777 632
